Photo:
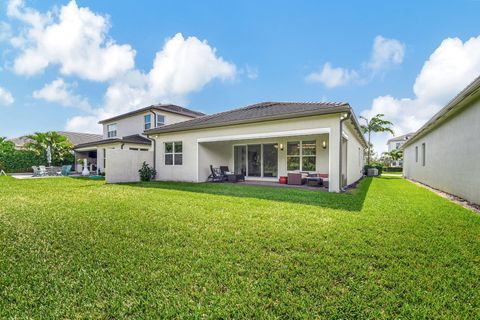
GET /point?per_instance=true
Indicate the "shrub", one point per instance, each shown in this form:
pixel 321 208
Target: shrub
pixel 146 172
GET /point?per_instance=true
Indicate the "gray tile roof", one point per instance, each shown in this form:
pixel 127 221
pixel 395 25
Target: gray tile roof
pixel 74 137
pixel 263 111
pixel 136 139
pixel 159 107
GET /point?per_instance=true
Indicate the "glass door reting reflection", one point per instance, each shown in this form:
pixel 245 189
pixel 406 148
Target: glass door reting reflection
pixel 240 159
pixel 270 160
pixel 254 160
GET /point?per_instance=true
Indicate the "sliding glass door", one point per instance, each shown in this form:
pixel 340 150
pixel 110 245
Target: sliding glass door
pixel 270 160
pixel 256 160
pixel 240 159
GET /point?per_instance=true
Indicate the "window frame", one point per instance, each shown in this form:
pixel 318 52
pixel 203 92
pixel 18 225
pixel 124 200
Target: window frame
pixel 424 154
pixel 111 133
pixel 173 153
pixel 147 125
pixel 160 122
pixel 302 156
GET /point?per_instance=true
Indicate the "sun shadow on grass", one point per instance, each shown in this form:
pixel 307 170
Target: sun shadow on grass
pixel 351 200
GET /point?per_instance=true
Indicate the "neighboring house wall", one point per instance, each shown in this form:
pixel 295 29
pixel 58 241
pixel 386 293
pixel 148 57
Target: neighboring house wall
pixel 135 124
pixel 123 165
pixel 452 162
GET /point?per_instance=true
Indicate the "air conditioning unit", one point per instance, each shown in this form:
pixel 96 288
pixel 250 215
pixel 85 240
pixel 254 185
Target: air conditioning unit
pixel 372 172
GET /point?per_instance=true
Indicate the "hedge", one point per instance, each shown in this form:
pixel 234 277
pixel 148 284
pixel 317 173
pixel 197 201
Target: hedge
pixel 23 160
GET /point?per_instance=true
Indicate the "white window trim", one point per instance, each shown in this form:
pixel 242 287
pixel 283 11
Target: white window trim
pixel 145 122
pixel 173 153
pixel 301 155
pixel 160 123
pixel 111 131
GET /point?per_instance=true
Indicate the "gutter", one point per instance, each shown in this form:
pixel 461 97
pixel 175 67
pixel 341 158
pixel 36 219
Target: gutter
pixel 342 119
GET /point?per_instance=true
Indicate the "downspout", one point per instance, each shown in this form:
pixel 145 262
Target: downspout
pixel 154 141
pixel 342 119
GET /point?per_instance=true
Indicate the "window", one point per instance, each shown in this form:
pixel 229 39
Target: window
pixel 112 130
pixel 104 159
pixel 173 153
pixel 148 121
pixel 398 145
pixel 423 154
pixel 133 149
pixel 142 149
pixel 416 154
pixel 301 155
pixel 160 120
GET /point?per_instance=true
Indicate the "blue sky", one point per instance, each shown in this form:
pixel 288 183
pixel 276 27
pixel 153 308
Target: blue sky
pixel 404 59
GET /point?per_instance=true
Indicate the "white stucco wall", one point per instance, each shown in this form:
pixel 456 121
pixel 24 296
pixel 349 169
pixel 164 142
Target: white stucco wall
pixel 196 160
pixel 123 165
pixel 117 146
pixel 452 161
pixel 355 156
pixel 135 124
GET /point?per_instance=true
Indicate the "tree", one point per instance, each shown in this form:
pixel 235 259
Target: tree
pixel 375 124
pixel 60 146
pixel 396 154
pixel 6 146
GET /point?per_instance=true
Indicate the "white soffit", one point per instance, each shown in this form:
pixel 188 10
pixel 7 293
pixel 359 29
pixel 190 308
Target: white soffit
pixel 290 133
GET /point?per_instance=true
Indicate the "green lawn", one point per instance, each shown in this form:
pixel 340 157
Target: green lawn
pixel 73 248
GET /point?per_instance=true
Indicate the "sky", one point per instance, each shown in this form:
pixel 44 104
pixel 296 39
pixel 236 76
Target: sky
pixel 67 64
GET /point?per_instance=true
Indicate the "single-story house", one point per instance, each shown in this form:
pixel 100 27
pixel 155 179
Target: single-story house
pixel 264 141
pixel 445 152
pixel 125 132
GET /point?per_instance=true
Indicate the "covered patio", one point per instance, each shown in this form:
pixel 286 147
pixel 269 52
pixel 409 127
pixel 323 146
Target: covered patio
pixel 264 158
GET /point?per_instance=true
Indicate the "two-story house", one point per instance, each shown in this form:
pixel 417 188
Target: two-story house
pixel 395 144
pixel 125 131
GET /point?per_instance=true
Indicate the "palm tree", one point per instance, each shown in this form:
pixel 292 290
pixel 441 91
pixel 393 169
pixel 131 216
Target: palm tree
pixel 396 154
pixel 375 124
pixel 60 146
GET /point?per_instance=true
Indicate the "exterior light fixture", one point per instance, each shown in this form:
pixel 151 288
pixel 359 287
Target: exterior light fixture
pixel 324 144
pixel 281 146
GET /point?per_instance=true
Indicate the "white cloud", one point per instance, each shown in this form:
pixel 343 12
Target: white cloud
pixel 251 72
pixel 6 98
pixel 73 38
pixel 76 39
pixel 59 91
pixel 5 31
pixel 385 54
pixel 83 124
pixel 450 68
pixel 184 65
pixel 333 77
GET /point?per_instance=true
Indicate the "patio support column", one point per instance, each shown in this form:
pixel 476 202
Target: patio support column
pixel 334 158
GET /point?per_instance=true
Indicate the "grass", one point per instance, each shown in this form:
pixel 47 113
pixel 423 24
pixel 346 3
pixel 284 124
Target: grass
pixel 73 248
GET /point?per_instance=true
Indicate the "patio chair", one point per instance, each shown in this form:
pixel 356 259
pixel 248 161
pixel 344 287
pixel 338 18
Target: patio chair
pixel 36 171
pixel 216 175
pixel 65 171
pixel 43 171
pixel 297 178
pixel 231 176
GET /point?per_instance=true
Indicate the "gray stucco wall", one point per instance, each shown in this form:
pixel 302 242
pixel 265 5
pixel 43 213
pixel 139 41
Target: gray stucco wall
pixel 452 161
